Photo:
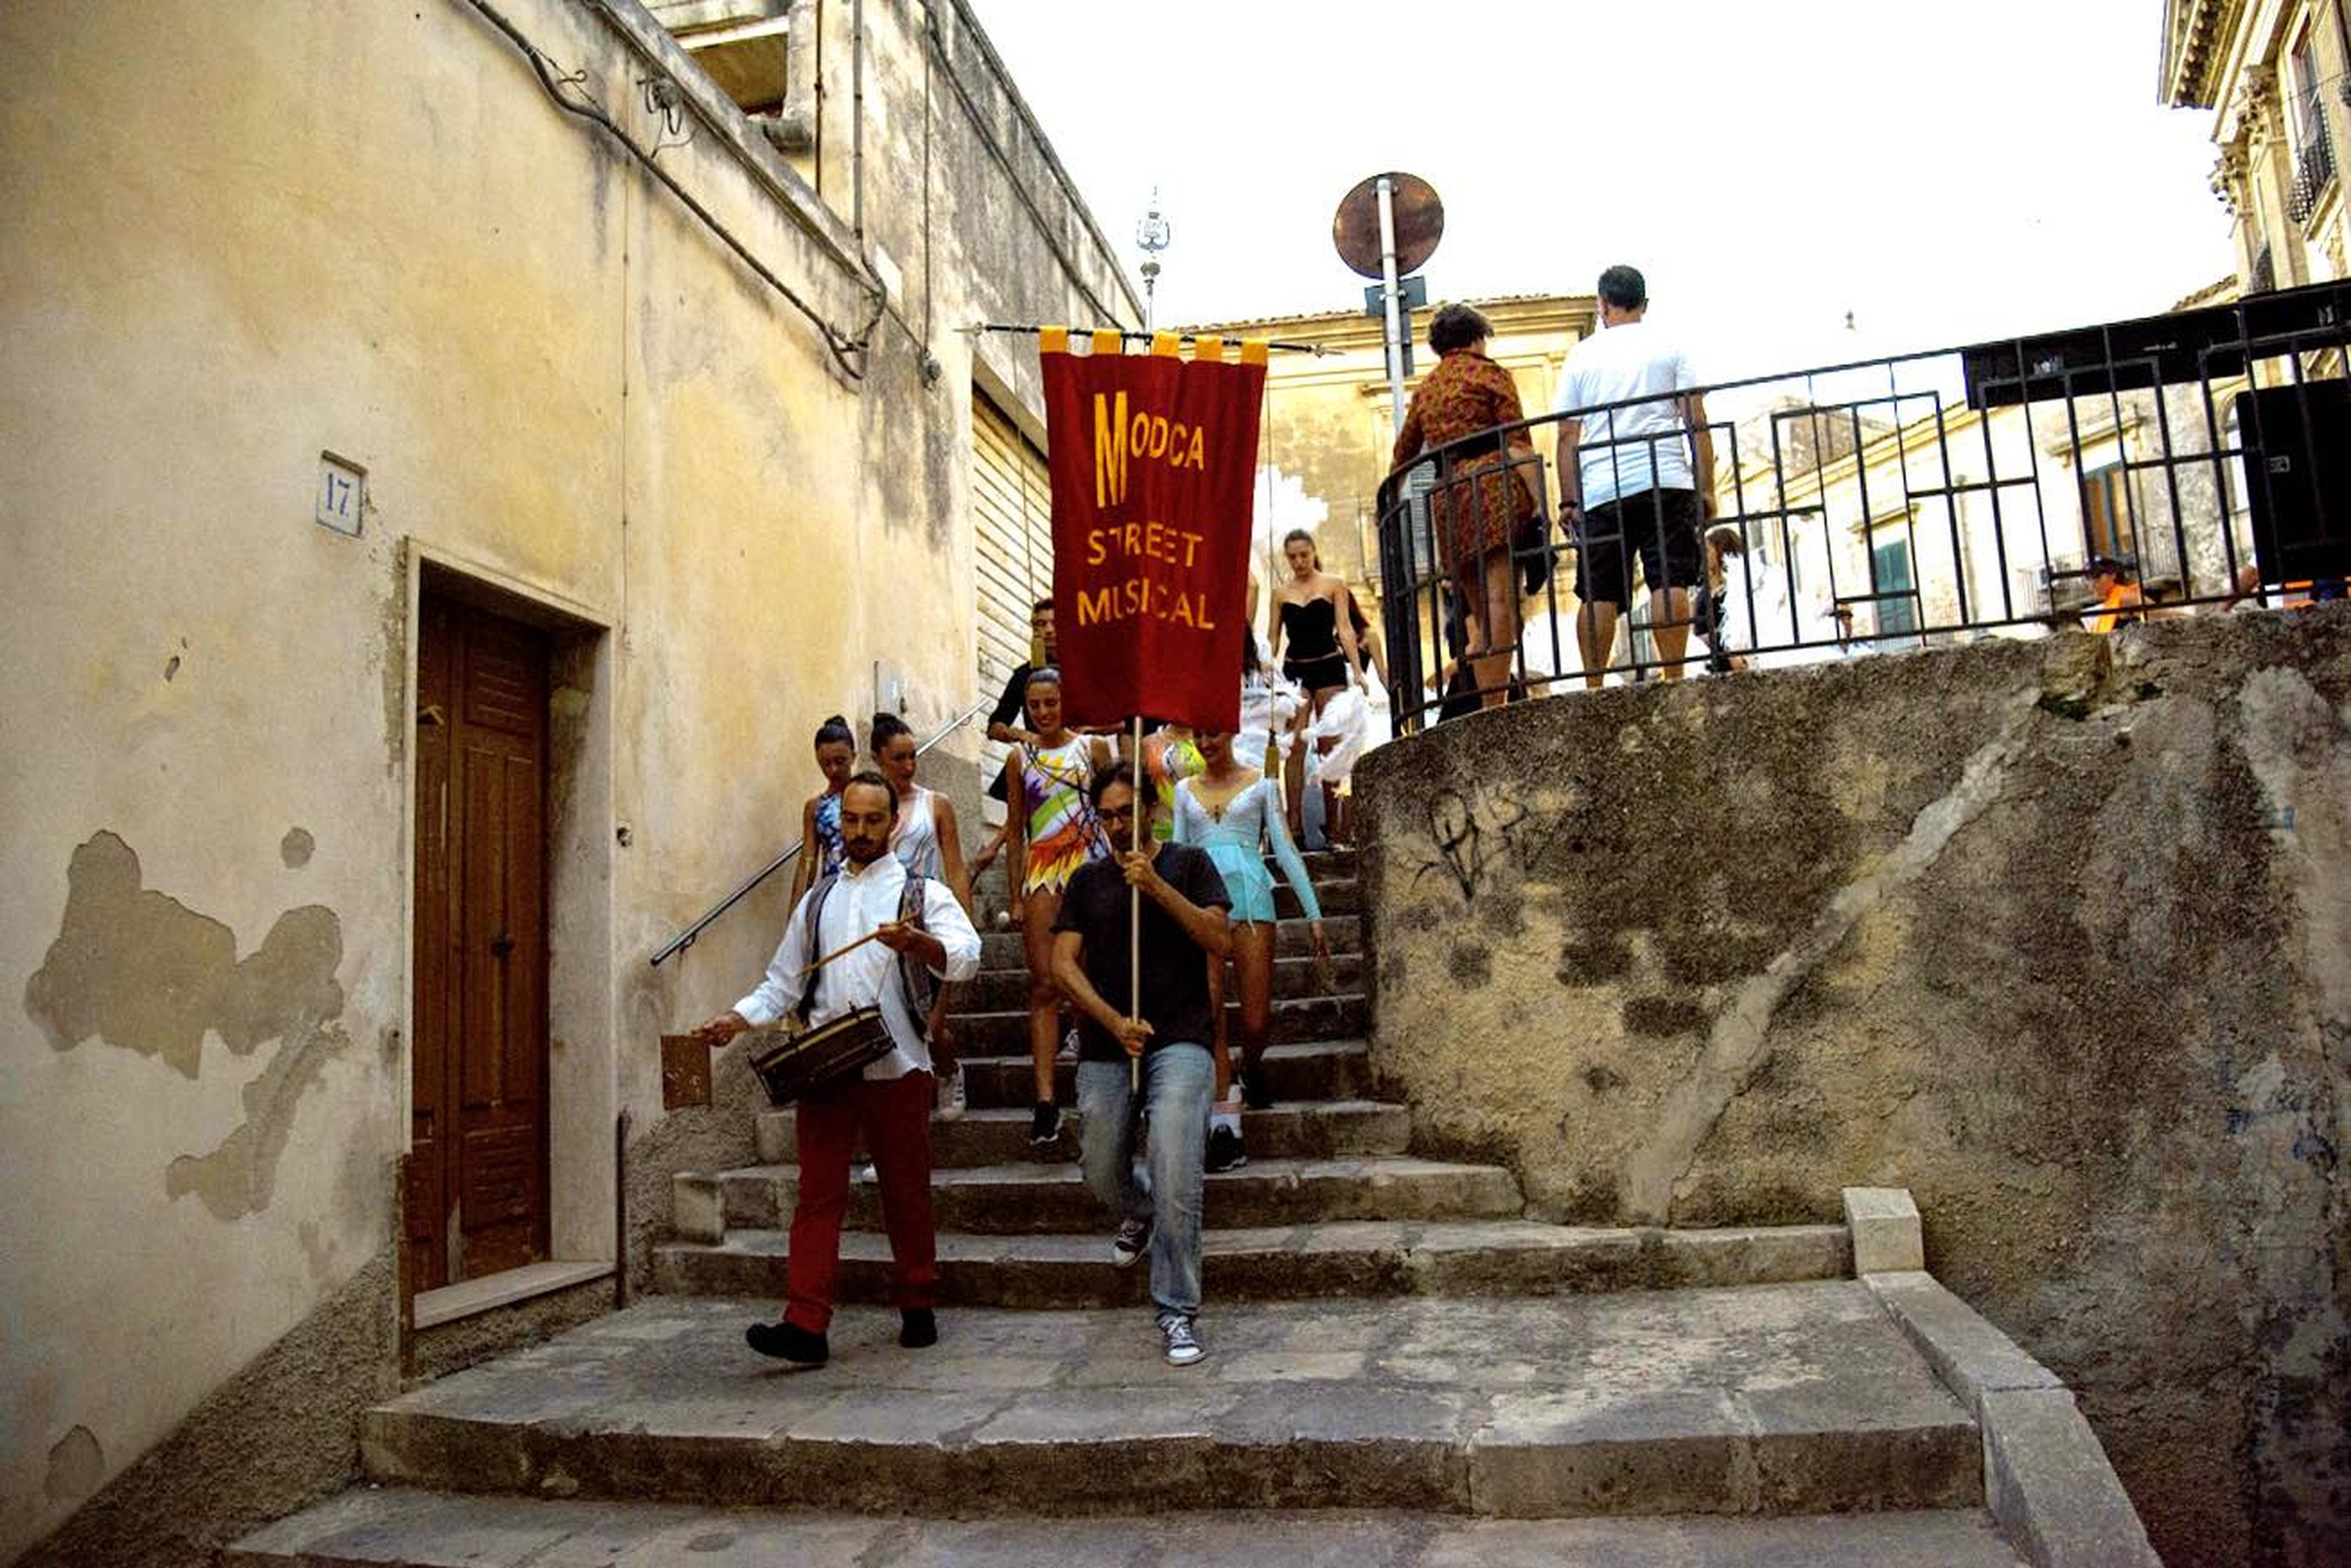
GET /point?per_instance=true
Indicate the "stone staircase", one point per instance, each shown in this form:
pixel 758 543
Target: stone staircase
pixel 1402 1369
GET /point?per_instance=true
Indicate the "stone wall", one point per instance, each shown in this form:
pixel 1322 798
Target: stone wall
pixel 2054 933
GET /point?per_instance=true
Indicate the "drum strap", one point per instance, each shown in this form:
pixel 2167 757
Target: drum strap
pixel 910 910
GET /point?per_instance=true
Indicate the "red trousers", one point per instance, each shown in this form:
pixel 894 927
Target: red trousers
pixel 895 1114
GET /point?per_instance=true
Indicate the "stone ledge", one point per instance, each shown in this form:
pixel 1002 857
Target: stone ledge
pixel 2045 1472
pixel 432 1309
pixel 1971 1357
pixel 2050 1487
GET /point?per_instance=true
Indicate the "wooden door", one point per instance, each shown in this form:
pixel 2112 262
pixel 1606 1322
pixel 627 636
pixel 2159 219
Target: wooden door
pixel 477 1198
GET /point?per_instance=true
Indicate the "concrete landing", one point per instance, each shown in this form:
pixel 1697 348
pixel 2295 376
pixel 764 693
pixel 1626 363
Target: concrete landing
pixel 384 1528
pixel 1771 1399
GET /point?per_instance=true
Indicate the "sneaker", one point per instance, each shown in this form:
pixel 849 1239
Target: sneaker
pixel 868 1175
pixel 1133 1240
pixel 1069 1045
pixel 918 1328
pixel 1225 1150
pixel 1045 1124
pixel 790 1344
pixel 952 1103
pixel 1184 1347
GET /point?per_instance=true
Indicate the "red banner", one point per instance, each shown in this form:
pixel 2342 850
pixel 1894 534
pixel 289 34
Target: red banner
pixel 1154 463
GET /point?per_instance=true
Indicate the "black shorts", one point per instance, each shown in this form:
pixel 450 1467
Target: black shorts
pixel 1661 527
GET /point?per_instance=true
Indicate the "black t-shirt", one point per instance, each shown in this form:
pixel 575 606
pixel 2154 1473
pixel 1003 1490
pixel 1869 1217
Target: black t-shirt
pixel 1012 704
pixel 1175 969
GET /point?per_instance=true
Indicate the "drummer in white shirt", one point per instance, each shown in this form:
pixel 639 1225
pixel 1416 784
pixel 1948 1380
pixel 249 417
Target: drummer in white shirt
pixel 890 1105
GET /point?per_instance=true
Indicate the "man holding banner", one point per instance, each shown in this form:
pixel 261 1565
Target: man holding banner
pixel 1154 1028
pixel 1153 460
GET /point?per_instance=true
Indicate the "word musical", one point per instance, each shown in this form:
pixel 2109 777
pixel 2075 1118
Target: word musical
pixel 1143 596
pixel 1151 436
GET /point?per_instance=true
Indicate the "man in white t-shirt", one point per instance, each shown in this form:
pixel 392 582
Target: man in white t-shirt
pixel 1635 473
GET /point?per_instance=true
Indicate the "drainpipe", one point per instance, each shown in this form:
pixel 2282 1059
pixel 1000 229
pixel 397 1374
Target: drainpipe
pixel 857 122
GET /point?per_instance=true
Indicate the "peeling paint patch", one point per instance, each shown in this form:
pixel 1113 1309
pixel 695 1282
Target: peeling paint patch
pixel 297 848
pixel 77 1466
pixel 142 972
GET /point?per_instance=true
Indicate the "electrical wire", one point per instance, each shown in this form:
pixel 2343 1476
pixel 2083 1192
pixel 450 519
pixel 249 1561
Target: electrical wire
pixel 848 349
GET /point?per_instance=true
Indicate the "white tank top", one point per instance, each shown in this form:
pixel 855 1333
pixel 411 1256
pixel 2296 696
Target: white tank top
pixel 915 840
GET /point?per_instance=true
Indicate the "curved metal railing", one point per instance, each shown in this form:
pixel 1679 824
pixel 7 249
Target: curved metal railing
pixel 1920 499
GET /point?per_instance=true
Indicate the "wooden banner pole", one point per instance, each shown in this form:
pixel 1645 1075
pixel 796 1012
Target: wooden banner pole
pixel 1134 914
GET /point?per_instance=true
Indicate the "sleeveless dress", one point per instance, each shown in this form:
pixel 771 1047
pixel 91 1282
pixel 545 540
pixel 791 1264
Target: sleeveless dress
pixel 1234 835
pixel 915 840
pixel 831 855
pixel 1314 661
pixel 1171 759
pixel 1064 831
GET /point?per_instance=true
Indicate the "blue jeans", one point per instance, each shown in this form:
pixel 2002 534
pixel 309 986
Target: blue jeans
pixel 1178 1080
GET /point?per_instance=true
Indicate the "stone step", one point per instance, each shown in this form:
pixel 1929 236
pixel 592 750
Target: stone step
pixel 1779 1399
pixel 1305 1262
pixel 1308 1129
pixel 1006 1032
pixel 1003 990
pixel 1308 1069
pixel 1292 939
pixel 1029 1198
pixel 393 1527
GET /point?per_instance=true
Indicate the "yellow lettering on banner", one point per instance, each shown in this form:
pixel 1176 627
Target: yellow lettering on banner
pixel 1097 552
pixel 1110 448
pixel 1096 607
pixel 1192 548
pixel 1196 454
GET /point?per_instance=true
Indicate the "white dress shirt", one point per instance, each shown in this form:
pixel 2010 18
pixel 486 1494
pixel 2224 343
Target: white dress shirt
pixel 859 902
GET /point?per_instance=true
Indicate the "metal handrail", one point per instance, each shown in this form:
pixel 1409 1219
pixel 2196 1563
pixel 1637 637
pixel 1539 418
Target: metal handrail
pixel 684 938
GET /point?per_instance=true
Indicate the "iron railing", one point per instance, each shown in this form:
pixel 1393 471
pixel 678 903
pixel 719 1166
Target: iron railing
pixel 2313 168
pixel 1927 499
pixel 684 940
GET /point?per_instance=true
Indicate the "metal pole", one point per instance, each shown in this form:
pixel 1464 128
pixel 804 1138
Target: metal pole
pixel 1391 296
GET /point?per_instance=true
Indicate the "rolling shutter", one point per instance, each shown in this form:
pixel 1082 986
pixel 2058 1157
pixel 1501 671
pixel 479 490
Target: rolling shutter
pixel 1012 517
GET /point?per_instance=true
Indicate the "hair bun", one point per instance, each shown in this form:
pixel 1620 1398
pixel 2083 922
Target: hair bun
pixel 836 718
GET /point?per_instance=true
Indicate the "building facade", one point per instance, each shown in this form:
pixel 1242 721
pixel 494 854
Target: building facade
pixel 2277 73
pixel 458 452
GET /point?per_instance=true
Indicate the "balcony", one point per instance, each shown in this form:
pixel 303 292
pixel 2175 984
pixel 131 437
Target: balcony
pixel 2314 170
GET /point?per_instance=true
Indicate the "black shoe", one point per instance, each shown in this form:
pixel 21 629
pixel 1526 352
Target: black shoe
pixel 918 1328
pixel 788 1343
pixel 1225 1150
pixel 1255 1092
pixel 1045 1124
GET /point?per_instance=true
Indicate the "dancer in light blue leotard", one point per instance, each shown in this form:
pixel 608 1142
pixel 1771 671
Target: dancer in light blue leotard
pixel 1233 812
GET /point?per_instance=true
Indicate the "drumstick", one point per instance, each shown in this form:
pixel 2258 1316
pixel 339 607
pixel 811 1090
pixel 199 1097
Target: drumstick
pixel 836 953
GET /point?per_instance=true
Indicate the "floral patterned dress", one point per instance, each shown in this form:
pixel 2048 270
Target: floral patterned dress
pixel 1478 507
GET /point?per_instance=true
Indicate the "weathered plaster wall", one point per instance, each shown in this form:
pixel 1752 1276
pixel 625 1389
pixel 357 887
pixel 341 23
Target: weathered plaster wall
pixel 2055 933
pixel 237 237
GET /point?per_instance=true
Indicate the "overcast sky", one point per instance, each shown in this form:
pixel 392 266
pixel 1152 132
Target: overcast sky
pixel 1944 172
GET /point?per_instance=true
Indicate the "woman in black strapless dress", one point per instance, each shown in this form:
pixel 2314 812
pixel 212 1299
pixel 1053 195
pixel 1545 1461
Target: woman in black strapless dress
pixel 1322 655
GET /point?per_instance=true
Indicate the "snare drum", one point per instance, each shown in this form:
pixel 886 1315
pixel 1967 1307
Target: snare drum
pixel 800 1064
